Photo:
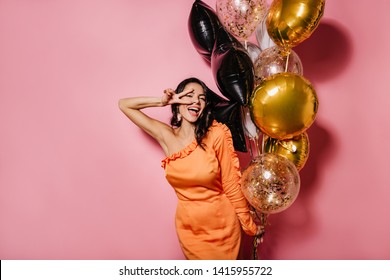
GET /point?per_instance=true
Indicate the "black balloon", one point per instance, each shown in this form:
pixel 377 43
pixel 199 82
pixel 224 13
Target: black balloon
pixel 203 24
pixel 229 113
pixel 232 68
pixel 224 38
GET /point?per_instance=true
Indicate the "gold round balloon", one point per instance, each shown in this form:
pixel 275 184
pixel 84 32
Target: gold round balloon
pixel 283 105
pixel 289 22
pixel 295 149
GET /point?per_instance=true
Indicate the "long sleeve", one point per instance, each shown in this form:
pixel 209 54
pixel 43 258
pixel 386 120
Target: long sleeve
pixel 231 177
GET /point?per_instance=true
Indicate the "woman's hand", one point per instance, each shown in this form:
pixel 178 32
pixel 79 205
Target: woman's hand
pixel 259 234
pixel 170 97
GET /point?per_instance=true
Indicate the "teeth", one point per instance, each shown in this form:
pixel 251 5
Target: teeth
pixel 194 109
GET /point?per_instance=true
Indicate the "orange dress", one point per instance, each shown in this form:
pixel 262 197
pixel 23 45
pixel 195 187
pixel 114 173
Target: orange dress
pixel 211 208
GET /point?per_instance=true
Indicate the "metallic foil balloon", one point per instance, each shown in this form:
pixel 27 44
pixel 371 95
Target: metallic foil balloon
pixel 262 36
pixel 228 113
pixel 223 40
pixel 232 68
pixel 240 17
pixel 276 60
pixel 295 149
pixel 284 105
pixel 289 22
pixel 203 24
pixel 270 183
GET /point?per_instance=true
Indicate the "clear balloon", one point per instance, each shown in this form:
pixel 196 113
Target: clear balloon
pixel 270 183
pixel 262 36
pixel 276 60
pixel 250 128
pixel 240 17
pixel 252 49
pixel 290 22
pixel 295 149
pixel 284 105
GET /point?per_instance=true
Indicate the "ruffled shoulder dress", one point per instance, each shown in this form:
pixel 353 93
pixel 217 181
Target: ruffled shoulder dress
pixel 211 208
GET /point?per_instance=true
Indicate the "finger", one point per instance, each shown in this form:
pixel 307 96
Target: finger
pixel 169 91
pixel 184 92
pixel 180 101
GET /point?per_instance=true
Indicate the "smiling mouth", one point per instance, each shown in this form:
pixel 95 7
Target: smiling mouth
pixel 194 111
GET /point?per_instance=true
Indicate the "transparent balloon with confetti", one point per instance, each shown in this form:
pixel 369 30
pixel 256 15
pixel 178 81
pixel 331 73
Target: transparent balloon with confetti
pixel 270 183
pixel 240 17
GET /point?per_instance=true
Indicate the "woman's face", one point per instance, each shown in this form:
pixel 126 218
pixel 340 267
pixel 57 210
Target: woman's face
pixel 197 97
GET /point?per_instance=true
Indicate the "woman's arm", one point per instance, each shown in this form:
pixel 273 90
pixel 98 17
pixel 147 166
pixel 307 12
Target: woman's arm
pixel 132 107
pixel 231 177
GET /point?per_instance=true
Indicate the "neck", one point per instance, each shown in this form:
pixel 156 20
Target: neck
pixel 186 130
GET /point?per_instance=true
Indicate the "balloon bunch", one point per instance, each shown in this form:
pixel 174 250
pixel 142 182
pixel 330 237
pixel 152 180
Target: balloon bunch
pixel 215 36
pixel 264 87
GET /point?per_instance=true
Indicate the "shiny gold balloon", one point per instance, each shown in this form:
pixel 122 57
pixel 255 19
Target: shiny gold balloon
pixel 295 149
pixel 283 105
pixel 289 22
pixel 270 183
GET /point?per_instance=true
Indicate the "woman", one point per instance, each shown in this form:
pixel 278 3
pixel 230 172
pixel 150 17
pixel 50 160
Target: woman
pixel 202 167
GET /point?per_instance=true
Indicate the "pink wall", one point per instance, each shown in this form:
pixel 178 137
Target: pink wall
pixel 78 181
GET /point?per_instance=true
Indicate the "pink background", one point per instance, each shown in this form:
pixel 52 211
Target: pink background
pixel 79 181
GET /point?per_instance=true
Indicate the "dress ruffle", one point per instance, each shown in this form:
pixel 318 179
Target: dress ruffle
pixel 231 150
pixel 192 146
pixel 186 151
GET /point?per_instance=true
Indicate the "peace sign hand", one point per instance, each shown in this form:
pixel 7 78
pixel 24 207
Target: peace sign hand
pixel 170 97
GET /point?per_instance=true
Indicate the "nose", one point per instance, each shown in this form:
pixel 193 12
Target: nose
pixel 196 100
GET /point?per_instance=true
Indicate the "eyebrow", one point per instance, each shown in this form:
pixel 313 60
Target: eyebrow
pixel 202 94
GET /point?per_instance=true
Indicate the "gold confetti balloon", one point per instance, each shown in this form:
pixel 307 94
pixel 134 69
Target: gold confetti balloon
pixel 283 105
pixel 276 60
pixel 240 17
pixel 296 149
pixel 290 22
pixel 270 183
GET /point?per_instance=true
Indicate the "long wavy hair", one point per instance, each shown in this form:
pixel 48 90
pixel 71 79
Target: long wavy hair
pixel 206 117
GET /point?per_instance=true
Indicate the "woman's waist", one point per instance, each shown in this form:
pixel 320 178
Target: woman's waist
pixel 198 194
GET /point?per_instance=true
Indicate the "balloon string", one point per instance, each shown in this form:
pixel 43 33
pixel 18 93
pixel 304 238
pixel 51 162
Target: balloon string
pixel 263 221
pixel 255 244
pixel 263 143
pixel 254 147
pixel 288 56
pixel 257 145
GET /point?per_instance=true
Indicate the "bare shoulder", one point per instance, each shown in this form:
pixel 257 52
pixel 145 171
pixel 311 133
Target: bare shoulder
pixel 167 138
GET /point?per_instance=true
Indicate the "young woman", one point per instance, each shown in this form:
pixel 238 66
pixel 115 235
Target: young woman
pixel 203 169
